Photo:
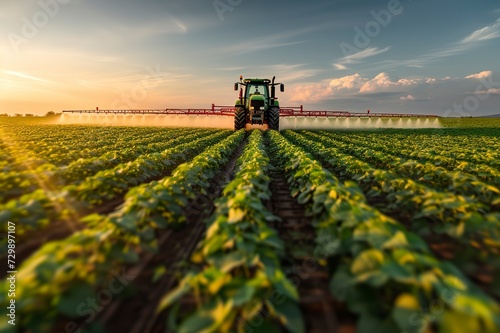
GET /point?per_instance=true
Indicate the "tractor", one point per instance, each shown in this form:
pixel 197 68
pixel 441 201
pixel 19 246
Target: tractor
pixel 258 104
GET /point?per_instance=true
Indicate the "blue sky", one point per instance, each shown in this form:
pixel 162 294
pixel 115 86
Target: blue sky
pixel 418 56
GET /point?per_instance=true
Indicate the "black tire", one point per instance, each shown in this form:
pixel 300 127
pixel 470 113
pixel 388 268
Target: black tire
pixel 274 119
pixel 240 119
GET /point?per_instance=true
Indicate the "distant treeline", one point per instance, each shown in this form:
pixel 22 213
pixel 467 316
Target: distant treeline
pixel 48 114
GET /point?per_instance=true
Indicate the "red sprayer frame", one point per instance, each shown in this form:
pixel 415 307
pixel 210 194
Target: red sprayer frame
pixel 228 111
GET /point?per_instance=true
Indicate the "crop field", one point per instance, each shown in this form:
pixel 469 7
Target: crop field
pixel 153 229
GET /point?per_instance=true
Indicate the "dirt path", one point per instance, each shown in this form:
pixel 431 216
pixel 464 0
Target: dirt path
pixel 322 313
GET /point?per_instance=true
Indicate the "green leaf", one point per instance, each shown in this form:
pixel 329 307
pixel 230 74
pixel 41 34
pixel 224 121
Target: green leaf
pixel 373 278
pixel 416 242
pixel 370 324
pixel 130 256
pixel 455 231
pixel 199 322
pixel 158 273
pixel 210 318
pixel 172 315
pixel 407 301
pixel 452 322
pixel 406 313
pixel 273 241
pixel 127 222
pixel 290 316
pixel 243 295
pixel 72 299
pixel 473 306
pixel 173 296
pixel 406 320
pixel 214 244
pixel 366 261
pixel 287 288
pixel 218 282
pixel 304 197
pixel 159 220
pixel 235 215
pixel 229 261
pixel 341 282
pixel 398 272
pixel 397 241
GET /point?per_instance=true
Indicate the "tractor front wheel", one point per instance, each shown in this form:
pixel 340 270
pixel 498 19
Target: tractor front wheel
pixel 274 119
pixel 240 119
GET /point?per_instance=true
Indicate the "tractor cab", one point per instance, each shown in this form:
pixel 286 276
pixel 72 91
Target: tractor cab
pixel 257 100
pixel 257 89
pixel 257 104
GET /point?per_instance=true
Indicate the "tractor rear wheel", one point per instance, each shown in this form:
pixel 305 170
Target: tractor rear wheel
pixel 240 118
pixel 274 119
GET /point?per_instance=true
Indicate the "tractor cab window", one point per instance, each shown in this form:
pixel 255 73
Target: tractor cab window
pixel 257 89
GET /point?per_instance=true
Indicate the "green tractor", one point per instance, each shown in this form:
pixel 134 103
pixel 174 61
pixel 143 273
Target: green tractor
pixel 258 105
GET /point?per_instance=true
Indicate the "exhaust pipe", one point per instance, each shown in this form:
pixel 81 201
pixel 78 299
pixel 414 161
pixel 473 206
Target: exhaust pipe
pixel 273 91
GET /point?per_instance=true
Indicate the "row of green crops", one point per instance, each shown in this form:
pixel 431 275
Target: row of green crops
pixel 467 152
pixel 81 168
pixel 453 214
pixel 459 217
pixel 63 152
pixel 109 183
pixel 18 182
pixel 37 209
pixel 479 123
pixel 468 140
pixel 240 277
pixel 58 277
pixel 383 272
pixel 434 176
pixel 61 145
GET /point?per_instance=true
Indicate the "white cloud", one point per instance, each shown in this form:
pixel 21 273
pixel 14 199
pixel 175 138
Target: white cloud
pixel 337 87
pixel 25 76
pixel 407 98
pixel 310 92
pixel 486 33
pixel 479 76
pixel 356 57
pixel 270 41
pixel 384 83
pixel 348 82
pixel 370 52
pixel 379 82
pixel 230 68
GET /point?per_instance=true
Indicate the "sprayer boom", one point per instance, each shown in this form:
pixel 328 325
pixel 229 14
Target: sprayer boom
pixel 214 111
pixel 228 111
